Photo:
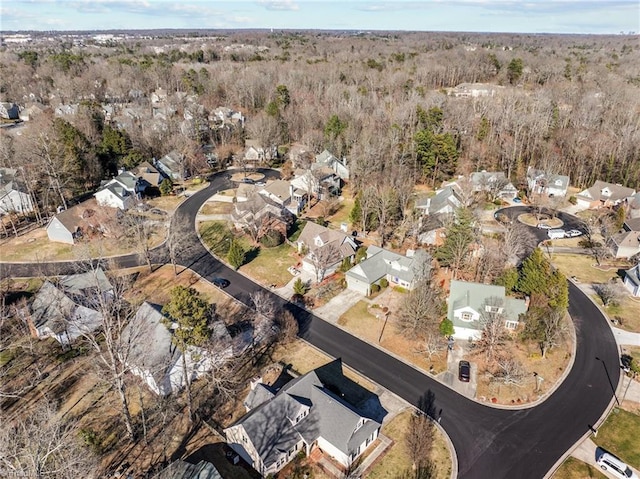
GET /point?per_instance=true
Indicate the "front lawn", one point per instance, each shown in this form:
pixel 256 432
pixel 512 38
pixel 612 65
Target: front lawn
pixel 573 468
pixel 270 265
pixel 216 236
pixel 619 435
pixel 216 208
pixel 397 459
pixel 583 267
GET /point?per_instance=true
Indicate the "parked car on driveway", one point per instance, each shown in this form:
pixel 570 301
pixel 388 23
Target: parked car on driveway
pixel 543 226
pixel 464 371
pixel 556 233
pixel 610 463
pixel 573 233
pixel 248 181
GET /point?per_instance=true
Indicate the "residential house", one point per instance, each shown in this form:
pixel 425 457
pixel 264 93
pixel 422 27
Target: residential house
pixel 120 192
pixel 86 218
pixel 9 111
pixel 431 230
pixel 380 263
pixel 171 165
pixel 318 182
pixel 185 470
pixel 158 361
pixel 301 156
pixel 547 183
pixel 315 410
pixel 634 206
pixel 148 173
pixel 338 167
pixel 55 314
pixel 445 202
pixel 475 90
pixel 66 110
pixel 625 244
pixel 88 288
pixel 631 224
pixel 262 215
pixel 325 249
pixel 493 183
pixel 13 193
pixel 31 111
pixel 254 154
pixel 470 305
pixel 603 194
pixel 223 117
pixel 632 280
pixel 286 195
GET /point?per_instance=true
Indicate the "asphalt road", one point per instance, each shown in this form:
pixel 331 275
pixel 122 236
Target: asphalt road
pixel 489 442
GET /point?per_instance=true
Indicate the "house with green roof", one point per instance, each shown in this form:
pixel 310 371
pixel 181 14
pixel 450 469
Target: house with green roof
pixel 471 305
pixel 315 410
pixel 398 269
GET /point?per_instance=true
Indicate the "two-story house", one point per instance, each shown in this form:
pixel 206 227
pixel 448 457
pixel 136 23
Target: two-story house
pixel 471 305
pixel 311 411
pixel 325 249
pixel 286 195
pixel 119 192
pixel 405 271
pixel 542 183
pixel 604 195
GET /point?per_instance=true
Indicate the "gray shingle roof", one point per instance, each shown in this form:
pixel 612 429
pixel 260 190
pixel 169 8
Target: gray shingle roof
pixel 476 296
pixel 381 262
pixel 184 470
pixel 618 192
pixel 272 427
pixel 633 274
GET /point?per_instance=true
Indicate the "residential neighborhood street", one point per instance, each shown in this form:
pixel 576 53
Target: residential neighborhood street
pixel 489 442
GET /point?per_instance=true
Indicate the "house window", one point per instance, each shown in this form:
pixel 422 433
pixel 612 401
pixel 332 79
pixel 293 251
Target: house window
pixel 493 309
pixel 511 324
pixel 466 316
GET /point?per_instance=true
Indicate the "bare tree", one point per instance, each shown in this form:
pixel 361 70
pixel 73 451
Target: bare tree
pixel 140 232
pixel 109 343
pixel 177 241
pixel 420 439
pixel 43 446
pixel 432 344
pixel 516 242
pixel 609 293
pixel 494 334
pixel 287 326
pixel 322 258
pixel 422 310
pixel 509 371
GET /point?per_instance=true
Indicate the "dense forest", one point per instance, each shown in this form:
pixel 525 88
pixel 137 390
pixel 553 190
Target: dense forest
pixel 564 104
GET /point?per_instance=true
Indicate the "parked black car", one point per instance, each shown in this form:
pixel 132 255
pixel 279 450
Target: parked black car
pixel 220 282
pixel 464 371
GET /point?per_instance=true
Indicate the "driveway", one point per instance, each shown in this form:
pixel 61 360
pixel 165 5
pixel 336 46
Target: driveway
pixel 338 305
pixel 450 376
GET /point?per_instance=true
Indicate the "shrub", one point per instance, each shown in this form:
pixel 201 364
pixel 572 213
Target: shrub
pixel 573 200
pixel 384 283
pixel 272 239
pixel 361 254
pixel 166 187
pixel 375 288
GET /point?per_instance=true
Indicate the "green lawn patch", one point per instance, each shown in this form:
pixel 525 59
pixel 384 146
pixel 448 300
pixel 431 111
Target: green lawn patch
pixel 269 265
pixel 582 267
pixel 216 208
pixel 216 236
pixel 619 435
pixel 296 229
pixel 573 468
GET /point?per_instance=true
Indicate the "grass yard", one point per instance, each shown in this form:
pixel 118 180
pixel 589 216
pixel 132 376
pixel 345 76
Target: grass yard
pixel 573 468
pixel 216 235
pixel 166 203
pixel 361 321
pixel 216 208
pixel 342 215
pixel 303 358
pixel 627 313
pixel 583 268
pixel 270 265
pixel 397 459
pixel 619 435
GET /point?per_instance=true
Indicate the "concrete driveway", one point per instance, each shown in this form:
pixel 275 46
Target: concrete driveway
pixel 338 305
pixel 450 376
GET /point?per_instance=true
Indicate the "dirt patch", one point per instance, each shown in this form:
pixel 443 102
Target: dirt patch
pixel 533 220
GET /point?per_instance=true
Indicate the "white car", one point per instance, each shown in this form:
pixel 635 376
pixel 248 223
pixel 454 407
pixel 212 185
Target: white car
pixel 573 233
pixel 543 226
pixel 615 466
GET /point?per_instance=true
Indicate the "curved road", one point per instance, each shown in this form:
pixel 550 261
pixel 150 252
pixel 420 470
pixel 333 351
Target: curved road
pixel 489 442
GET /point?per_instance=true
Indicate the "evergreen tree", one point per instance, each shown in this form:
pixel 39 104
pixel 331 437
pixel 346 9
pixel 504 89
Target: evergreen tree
pixel 514 70
pixel 458 237
pixel 534 274
pixel 236 255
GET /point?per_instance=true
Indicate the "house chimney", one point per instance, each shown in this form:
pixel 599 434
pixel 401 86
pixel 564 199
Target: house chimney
pixel 291 191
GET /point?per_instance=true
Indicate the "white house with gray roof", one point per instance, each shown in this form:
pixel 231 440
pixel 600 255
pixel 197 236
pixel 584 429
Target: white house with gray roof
pixel 445 202
pixel 310 411
pixel 119 192
pixel 494 183
pixel 57 314
pixel 549 184
pixel 14 196
pixel 154 358
pixel 632 280
pixel 470 305
pixel 380 263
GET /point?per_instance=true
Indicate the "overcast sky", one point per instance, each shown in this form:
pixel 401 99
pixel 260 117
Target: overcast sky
pixel 526 16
